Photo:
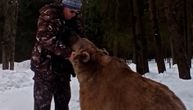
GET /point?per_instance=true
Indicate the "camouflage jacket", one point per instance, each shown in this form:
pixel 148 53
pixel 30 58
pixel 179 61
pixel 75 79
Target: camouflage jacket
pixel 52 38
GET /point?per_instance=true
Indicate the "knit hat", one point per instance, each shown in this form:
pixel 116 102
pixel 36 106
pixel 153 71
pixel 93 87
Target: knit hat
pixel 74 4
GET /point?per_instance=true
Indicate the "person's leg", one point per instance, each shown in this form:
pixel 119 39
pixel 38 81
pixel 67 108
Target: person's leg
pixel 62 93
pixel 42 95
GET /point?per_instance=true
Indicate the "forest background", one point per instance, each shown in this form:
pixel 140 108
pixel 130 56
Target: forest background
pixel 131 29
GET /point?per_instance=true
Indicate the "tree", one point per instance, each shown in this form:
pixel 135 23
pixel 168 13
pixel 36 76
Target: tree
pixel 139 38
pixel 9 34
pixel 175 17
pixel 157 37
pixel 188 29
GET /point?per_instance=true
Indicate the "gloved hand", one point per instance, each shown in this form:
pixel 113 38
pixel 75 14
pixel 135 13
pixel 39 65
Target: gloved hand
pixel 67 52
pixel 62 50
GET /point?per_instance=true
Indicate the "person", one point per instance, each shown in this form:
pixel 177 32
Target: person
pixel 49 55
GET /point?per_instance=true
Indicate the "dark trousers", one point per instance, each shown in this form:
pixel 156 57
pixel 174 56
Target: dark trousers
pixel 44 90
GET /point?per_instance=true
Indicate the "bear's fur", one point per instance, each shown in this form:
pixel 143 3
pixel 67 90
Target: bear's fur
pixel 107 83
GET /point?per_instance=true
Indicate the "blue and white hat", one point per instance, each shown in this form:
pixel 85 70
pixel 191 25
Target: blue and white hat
pixel 74 4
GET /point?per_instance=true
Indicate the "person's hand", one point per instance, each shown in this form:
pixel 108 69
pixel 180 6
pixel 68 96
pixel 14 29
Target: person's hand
pixel 67 52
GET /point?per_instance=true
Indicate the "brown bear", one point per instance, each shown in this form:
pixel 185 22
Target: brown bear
pixel 107 83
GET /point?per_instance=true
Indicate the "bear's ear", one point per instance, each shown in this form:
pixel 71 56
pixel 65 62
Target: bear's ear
pixel 85 57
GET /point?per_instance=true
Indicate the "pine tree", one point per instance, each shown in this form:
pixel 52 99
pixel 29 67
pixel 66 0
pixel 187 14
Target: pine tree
pixel 139 38
pixel 9 34
pixel 157 37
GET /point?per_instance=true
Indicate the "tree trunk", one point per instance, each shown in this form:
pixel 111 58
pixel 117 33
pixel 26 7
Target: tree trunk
pixel 8 40
pixel 157 37
pixel 2 18
pixel 139 39
pixel 115 43
pixel 175 16
pixel 188 31
pixel 133 32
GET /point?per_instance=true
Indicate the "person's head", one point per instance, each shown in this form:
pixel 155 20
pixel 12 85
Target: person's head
pixel 71 8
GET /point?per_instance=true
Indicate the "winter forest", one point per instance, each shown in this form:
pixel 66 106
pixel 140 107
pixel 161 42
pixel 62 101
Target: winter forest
pixel 138 31
pixel 131 29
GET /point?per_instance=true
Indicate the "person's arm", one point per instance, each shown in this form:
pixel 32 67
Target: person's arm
pixel 48 29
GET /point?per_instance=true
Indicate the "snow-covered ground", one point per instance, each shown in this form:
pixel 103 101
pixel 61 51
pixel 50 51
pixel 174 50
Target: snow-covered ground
pixel 16 87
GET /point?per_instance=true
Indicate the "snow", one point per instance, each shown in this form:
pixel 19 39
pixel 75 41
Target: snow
pixel 16 87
